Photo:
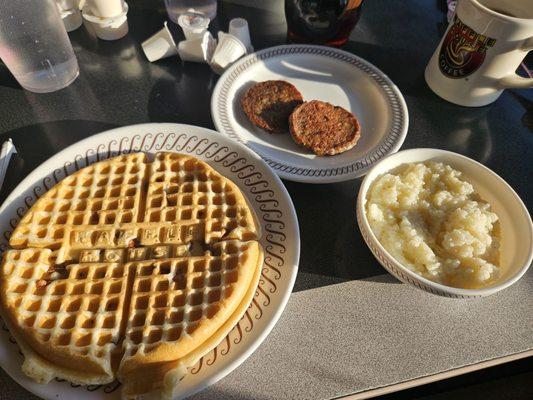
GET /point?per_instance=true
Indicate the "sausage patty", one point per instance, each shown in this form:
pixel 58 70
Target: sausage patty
pixel 324 128
pixel 268 105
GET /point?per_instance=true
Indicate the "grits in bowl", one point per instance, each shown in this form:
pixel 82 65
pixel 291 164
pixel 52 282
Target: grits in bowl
pixel 432 221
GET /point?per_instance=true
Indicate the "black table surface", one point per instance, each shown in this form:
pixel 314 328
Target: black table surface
pixel 117 86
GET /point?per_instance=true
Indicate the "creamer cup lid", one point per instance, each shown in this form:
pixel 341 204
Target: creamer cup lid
pixel 193 21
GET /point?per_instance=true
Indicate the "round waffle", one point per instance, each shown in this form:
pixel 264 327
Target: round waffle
pixel 127 266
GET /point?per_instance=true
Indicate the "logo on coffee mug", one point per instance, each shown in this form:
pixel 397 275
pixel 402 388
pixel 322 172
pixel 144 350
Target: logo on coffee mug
pixel 463 50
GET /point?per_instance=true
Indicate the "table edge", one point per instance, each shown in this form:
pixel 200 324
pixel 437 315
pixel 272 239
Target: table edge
pixel 367 394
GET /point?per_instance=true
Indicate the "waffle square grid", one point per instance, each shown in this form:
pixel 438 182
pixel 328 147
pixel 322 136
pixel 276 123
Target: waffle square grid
pixel 125 255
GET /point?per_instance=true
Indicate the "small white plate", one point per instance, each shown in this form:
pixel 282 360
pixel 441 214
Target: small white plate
pixel 263 189
pixel 320 73
pixel 516 251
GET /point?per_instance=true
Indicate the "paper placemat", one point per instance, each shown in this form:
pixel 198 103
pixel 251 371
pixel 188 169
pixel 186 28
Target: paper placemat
pixel 358 336
pixel 372 336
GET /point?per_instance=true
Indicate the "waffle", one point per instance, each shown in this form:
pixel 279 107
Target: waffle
pixel 105 193
pixel 129 266
pixel 70 315
pixel 189 190
pixel 203 288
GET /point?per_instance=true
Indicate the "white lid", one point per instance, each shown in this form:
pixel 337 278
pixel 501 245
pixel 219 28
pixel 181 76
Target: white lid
pixel 86 13
pixel 108 28
pixel 193 21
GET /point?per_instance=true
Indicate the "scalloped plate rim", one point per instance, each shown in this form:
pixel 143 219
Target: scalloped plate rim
pixel 48 391
pixel 323 175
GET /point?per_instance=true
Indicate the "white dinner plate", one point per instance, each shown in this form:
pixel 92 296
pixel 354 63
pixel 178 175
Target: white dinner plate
pixel 320 73
pixel 267 196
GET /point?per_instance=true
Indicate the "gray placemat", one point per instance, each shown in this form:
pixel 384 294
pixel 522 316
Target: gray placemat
pixel 360 335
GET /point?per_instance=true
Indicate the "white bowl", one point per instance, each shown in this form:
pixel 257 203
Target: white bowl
pixel 516 228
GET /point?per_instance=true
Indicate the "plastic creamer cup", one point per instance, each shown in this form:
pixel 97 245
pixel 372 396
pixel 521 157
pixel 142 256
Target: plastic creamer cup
pixel 198 50
pixel 193 24
pixel 65 5
pixel 160 45
pixel 108 28
pixel 70 14
pixel 229 50
pixel 71 19
pixel 105 8
pixel 238 27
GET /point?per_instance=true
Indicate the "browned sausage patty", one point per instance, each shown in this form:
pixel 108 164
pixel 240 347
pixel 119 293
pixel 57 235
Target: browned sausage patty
pixel 324 128
pixel 268 105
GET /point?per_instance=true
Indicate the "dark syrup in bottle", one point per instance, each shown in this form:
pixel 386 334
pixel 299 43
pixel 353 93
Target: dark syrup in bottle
pixel 321 21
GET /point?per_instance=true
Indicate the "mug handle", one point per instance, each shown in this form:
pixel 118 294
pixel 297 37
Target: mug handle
pixel 514 80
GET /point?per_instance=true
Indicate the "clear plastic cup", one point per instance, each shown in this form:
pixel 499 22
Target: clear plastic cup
pixel 177 7
pixel 35 46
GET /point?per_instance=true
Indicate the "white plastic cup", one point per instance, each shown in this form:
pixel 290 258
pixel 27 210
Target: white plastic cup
pixel 65 5
pixel 160 45
pixel 71 19
pixel 229 50
pixel 194 24
pixel 108 28
pixel 198 50
pixel 238 27
pixel 112 29
pixel 105 8
pixel 177 7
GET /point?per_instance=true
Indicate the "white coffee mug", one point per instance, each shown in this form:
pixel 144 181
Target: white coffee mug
pixel 481 50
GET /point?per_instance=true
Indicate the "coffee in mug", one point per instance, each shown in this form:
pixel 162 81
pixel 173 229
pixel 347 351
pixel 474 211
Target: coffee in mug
pixel 481 50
